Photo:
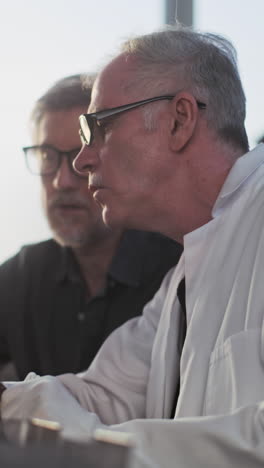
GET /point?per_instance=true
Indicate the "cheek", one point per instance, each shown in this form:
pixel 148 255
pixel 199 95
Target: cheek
pixel 131 166
pixel 46 188
pixel 122 164
pixel 47 193
pixel 44 199
pixel 139 169
pixel 46 183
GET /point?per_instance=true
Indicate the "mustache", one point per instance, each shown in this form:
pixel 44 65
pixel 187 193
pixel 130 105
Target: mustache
pixel 95 180
pixel 69 199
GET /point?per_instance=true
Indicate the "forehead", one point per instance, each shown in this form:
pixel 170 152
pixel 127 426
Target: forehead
pixel 59 127
pixel 110 87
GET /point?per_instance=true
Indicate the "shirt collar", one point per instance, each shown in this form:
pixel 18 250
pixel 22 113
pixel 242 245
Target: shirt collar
pixel 68 267
pixel 243 168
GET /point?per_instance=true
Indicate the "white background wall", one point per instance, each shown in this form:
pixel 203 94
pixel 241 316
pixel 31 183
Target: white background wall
pixel 42 41
pixel 242 22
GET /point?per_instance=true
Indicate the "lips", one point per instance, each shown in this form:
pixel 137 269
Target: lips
pixel 67 206
pixel 94 188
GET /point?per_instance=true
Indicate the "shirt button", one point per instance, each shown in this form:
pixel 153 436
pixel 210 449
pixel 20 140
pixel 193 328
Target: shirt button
pixel 81 317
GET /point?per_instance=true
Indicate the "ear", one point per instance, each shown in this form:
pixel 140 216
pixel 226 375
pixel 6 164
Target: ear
pixel 184 115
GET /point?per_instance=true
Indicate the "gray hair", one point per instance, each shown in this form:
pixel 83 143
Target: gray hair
pixel 64 94
pixel 180 58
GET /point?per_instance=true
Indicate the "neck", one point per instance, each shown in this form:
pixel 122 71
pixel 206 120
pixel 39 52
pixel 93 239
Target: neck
pixel 191 192
pixel 205 183
pixel 94 261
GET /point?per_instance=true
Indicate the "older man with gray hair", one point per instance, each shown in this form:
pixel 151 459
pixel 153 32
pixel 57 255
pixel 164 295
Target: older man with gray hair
pixel 167 150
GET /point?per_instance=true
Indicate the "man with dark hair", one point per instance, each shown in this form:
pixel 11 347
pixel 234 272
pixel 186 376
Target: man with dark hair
pixel 167 150
pixel 60 299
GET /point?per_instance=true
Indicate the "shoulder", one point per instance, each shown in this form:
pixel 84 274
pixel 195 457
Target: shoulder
pixel 157 254
pixel 151 243
pixel 161 252
pixel 40 250
pixel 32 254
pixel 163 244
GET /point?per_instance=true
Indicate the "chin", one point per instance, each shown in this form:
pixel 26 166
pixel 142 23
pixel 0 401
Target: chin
pixel 69 236
pixel 107 219
pixel 79 236
pixel 114 222
pixel 68 240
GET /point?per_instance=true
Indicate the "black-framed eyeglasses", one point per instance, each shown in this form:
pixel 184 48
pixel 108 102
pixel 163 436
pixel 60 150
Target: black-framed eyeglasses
pixel 46 159
pixel 87 121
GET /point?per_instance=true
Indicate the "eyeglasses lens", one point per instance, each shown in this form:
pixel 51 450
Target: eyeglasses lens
pixel 85 130
pixel 42 160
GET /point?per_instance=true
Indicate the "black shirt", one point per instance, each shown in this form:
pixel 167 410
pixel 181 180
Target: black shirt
pixel 48 325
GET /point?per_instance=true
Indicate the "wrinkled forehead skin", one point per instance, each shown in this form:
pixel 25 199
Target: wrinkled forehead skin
pixel 110 88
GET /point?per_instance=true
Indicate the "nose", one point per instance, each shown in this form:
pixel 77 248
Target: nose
pixel 85 160
pixel 65 179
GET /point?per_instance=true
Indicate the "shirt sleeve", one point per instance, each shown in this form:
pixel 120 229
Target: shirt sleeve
pixel 111 394
pixel 8 285
pixel 115 385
